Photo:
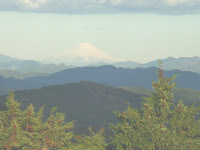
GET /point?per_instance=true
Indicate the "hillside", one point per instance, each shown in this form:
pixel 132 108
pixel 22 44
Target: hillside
pixel 28 66
pixel 170 63
pixel 139 90
pixel 85 54
pixel 182 63
pixel 127 64
pixel 189 96
pixel 91 103
pixel 5 58
pixel 18 75
pixel 88 103
pixel 107 75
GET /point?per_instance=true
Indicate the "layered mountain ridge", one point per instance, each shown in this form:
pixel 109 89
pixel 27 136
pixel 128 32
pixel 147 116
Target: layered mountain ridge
pixel 90 104
pixel 107 75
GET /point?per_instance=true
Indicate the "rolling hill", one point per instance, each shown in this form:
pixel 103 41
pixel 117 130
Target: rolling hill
pixel 6 59
pixel 86 102
pixel 91 103
pixel 107 75
pixel 18 75
pixel 127 64
pixel 189 96
pixel 27 66
pixel 182 63
pixel 170 63
pixel 86 54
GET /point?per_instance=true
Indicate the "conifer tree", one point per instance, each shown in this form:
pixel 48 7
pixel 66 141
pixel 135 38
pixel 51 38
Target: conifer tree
pixel 27 130
pixel 95 141
pixel 159 124
pixel 12 136
pixel 54 133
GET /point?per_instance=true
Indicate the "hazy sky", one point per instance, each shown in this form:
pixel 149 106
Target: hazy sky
pixel 29 33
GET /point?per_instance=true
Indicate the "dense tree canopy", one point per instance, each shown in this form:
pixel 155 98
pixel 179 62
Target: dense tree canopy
pixel 27 130
pixel 159 124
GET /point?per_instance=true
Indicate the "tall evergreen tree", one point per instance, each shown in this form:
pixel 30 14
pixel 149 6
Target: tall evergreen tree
pixel 27 130
pixel 159 124
pixel 93 141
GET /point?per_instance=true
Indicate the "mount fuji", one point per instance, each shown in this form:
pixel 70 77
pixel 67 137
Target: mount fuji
pixel 82 55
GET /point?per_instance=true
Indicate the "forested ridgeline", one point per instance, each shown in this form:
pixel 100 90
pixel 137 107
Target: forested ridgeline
pixel 159 124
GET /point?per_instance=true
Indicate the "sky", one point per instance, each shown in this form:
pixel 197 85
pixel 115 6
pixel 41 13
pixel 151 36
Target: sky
pixel 136 30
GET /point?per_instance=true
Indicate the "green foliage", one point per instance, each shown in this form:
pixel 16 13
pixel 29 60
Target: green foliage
pixel 90 104
pixel 189 96
pixel 95 141
pixel 139 90
pixel 159 124
pixel 26 129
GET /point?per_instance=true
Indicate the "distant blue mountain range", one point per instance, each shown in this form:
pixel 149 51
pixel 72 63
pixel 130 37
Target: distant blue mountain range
pixel 108 75
pixel 27 66
pixel 170 63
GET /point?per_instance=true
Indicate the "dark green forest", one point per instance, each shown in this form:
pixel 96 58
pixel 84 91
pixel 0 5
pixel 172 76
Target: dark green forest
pixel 90 104
pixel 188 95
pixel 160 122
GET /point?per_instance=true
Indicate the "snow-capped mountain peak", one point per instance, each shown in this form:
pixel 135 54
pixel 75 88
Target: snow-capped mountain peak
pixel 84 54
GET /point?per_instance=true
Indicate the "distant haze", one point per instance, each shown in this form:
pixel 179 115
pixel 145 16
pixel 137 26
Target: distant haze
pixel 83 54
pixel 135 37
